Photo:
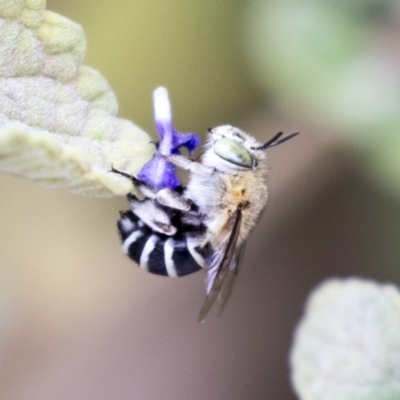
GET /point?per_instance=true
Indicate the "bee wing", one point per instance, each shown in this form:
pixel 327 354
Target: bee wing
pixel 223 264
pixel 230 280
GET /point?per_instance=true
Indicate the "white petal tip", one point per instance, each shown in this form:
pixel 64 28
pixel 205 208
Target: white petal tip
pixel 162 108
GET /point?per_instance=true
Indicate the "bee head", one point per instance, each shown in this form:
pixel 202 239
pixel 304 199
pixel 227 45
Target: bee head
pixel 230 148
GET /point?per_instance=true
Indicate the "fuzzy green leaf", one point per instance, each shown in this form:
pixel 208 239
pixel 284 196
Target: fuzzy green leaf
pixel 58 123
pixel 347 345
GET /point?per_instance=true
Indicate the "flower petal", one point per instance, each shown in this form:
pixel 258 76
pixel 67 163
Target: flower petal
pixel 158 172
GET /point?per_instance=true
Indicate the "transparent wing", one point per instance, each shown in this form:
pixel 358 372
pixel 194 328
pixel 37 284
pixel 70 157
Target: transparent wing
pixel 230 280
pixel 223 265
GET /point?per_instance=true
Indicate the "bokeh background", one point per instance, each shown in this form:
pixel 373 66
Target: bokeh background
pixel 80 321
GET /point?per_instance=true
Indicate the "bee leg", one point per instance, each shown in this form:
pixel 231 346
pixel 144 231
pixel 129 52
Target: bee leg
pixel 186 163
pixel 144 188
pixel 125 174
pixel 172 199
pixel 152 215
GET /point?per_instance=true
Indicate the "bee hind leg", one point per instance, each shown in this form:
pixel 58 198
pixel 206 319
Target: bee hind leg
pixel 152 215
pixel 173 199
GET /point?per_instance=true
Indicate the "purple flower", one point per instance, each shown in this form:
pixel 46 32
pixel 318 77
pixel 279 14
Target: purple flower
pixel 158 172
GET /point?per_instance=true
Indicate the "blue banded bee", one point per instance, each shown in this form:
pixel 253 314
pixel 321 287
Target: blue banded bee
pixel 203 225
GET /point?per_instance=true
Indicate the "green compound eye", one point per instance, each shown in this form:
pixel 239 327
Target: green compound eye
pixel 232 151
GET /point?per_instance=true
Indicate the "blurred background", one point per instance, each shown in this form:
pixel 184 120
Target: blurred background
pixel 80 321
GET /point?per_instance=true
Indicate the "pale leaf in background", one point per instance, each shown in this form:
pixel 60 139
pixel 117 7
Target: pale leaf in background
pixel 348 345
pixel 340 65
pixel 58 123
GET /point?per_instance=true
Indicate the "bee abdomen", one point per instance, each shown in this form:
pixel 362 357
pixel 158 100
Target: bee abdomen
pixel 172 256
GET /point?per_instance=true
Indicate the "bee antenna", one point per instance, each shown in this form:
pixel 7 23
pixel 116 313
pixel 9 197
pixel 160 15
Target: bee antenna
pixel 274 141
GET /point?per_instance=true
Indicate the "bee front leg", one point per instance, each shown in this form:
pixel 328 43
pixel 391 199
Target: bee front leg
pixel 144 188
pixel 187 164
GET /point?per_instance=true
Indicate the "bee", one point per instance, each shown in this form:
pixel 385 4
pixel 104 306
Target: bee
pixel 205 224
